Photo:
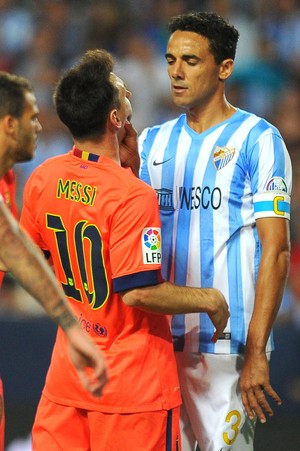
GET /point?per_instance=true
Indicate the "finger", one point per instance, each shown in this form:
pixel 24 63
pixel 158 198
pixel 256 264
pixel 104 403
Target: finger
pixel 131 131
pixel 255 407
pixel 263 403
pixel 247 406
pixel 252 406
pixel 218 332
pixel 98 376
pixel 85 380
pixel 92 383
pixel 272 393
pixel 215 337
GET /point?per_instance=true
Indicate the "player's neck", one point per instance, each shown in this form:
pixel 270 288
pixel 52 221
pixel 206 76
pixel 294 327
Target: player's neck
pixel 202 118
pixel 107 147
pixel 6 158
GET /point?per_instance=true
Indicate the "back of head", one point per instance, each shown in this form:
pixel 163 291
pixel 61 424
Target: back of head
pixel 12 94
pixel 222 36
pixel 85 95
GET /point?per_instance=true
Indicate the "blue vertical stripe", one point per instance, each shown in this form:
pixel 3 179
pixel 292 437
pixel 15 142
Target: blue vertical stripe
pixel 167 217
pixel 169 430
pixel 144 172
pixel 167 220
pixel 184 216
pixel 279 164
pixel 234 261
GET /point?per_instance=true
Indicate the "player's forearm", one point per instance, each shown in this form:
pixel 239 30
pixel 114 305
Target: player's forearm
pixel 269 291
pixel 169 299
pixel 28 265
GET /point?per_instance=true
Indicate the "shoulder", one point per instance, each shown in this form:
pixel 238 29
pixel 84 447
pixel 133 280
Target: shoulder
pixel 129 196
pixel 10 177
pixel 45 172
pixel 163 129
pixel 8 181
pixel 124 182
pixel 51 164
pixel 256 124
pixel 137 187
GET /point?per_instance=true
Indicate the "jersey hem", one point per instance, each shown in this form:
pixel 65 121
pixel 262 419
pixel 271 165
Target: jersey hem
pixel 151 407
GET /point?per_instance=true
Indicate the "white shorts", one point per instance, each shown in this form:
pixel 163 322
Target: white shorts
pixel 212 413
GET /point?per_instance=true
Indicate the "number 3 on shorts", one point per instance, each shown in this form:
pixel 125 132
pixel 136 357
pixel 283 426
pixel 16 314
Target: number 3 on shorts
pixel 234 426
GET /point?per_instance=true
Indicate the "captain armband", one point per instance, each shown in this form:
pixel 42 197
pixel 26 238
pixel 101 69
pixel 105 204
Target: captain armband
pixel 272 204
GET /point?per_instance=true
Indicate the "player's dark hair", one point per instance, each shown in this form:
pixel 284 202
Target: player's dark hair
pixel 222 36
pixel 85 95
pixel 12 94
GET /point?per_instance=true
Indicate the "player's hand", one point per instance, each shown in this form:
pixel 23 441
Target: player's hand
pixel 220 314
pixel 255 385
pixel 88 361
pixel 129 155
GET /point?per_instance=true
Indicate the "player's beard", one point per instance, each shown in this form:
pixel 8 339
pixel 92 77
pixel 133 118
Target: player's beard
pixel 26 146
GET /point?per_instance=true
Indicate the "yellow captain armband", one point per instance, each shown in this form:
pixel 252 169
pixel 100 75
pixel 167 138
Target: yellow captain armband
pixel 272 204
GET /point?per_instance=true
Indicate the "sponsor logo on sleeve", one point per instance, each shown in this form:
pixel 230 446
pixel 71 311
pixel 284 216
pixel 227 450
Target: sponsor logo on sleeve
pixel 276 184
pixel 151 244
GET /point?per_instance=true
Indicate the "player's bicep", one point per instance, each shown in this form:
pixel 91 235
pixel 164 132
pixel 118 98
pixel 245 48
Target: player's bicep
pixel 136 239
pixel 274 233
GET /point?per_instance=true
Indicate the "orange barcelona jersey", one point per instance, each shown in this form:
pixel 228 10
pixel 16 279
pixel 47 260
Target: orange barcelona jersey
pixel 101 226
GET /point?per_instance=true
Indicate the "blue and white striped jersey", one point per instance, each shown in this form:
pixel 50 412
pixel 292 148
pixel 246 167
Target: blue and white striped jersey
pixel 211 187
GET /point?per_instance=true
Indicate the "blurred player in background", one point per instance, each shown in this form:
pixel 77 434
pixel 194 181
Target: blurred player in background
pixel 8 192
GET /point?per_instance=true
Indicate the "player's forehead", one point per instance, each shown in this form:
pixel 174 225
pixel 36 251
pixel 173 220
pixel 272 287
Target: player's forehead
pixel 187 43
pixel 31 106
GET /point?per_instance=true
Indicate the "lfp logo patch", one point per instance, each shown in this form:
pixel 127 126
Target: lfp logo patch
pixel 151 243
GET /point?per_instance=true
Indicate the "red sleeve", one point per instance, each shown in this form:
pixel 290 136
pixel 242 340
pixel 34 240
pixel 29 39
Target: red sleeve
pixel 8 191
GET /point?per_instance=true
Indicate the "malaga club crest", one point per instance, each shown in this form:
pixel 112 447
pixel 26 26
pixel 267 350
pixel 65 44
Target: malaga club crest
pixel 151 244
pixel 222 156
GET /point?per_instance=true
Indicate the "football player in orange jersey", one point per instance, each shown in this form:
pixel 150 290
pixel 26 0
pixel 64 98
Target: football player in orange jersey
pixel 19 127
pixel 101 226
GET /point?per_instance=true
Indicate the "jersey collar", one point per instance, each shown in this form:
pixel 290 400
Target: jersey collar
pixel 86 156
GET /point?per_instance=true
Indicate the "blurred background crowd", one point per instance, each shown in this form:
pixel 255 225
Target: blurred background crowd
pixel 41 38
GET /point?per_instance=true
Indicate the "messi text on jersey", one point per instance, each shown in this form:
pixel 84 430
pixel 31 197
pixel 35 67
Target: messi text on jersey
pixel 76 191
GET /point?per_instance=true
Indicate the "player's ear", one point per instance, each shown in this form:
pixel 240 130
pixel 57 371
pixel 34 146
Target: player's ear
pixel 114 119
pixel 10 125
pixel 225 69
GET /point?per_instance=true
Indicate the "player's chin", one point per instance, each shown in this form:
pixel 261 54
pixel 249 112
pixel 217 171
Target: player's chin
pixel 179 101
pixel 22 158
pixel 30 154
